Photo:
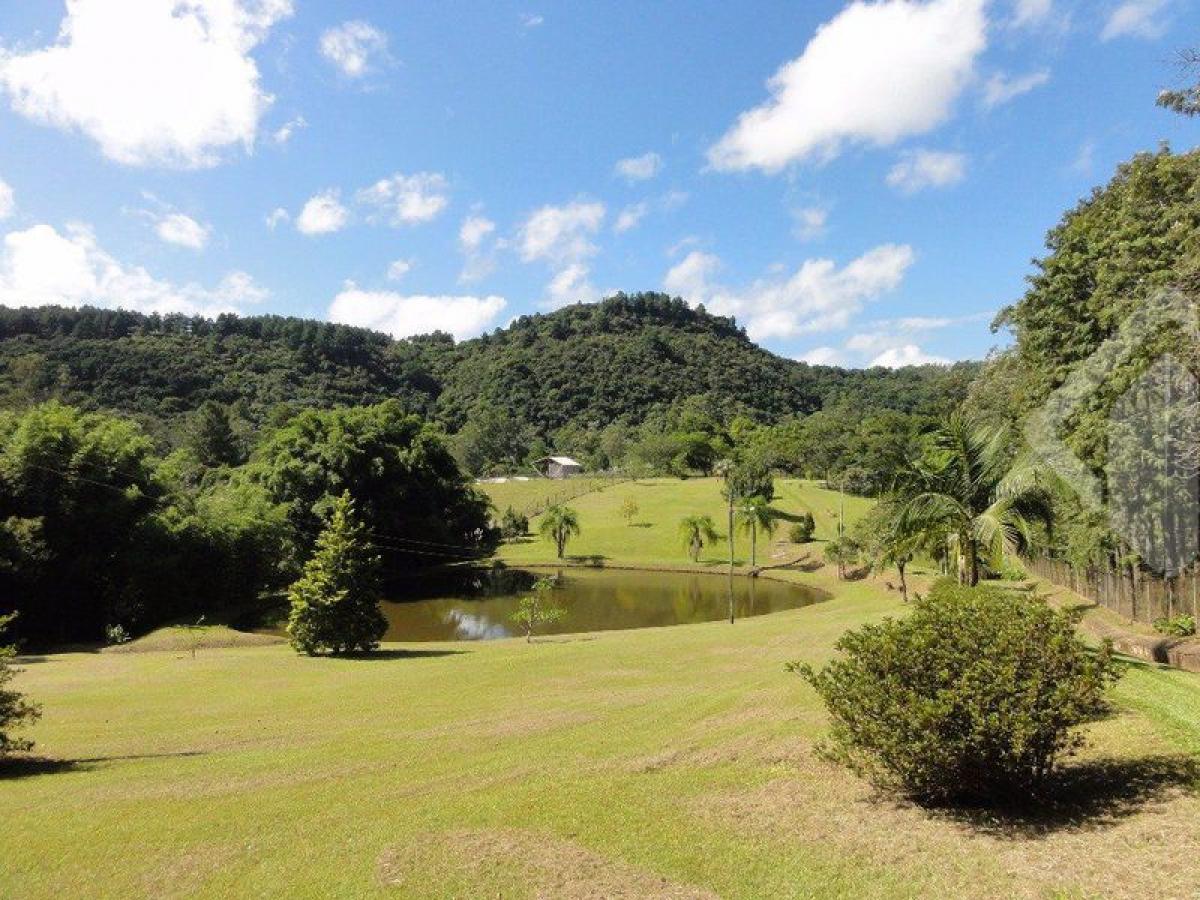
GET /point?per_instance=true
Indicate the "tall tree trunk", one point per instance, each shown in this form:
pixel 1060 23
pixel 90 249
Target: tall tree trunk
pixel 753 545
pixel 731 534
pixel 903 584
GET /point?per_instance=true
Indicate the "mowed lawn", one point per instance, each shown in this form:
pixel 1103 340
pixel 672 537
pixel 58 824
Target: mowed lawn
pixel 652 537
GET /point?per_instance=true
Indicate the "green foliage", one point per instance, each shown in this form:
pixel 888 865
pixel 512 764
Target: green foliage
pixel 696 531
pixel 513 524
pixel 802 530
pixel 629 510
pixel 335 603
pixel 15 710
pixel 843 552
pixel 536 608
pixel 975 697
pixel 559 524
pixel 211 438
pixel 754 514
pixel 1179 626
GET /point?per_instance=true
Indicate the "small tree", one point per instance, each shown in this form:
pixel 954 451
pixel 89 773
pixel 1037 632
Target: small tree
pixel 15 710
pixel 629 510
pixel 696 531
pixel 559 524
pixel 195 635
pixel 974 697
pixel 755 515
pixel 513 524
pixel 335 603
pixel 844 552
pixel 802 530
pixel 536 608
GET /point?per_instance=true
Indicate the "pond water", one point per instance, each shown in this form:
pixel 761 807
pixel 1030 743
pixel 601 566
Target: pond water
pixel 477 604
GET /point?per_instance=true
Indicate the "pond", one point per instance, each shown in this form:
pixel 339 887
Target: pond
pixel 477 604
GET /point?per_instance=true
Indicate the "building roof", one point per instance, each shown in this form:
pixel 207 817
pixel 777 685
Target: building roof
pixel 561 460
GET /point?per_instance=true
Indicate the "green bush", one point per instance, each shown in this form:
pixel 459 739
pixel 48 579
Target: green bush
pixel 15 710
pixel 973 698
pixel 335 603
pixel 1180 626
pixel 513 524
pixel 801 531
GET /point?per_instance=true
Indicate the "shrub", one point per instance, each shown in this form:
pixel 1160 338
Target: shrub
pixel 843 552
pixel 335 603
pixel 15 710
pixel 1180 626
pixel 115 635
pixel 537 608
pixel 513 524
pixel 973 698
pixel 801 531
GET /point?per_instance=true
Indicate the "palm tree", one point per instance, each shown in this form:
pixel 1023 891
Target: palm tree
pixel 695 531
pixel 559 524
pixel 964 493
pixel 755 515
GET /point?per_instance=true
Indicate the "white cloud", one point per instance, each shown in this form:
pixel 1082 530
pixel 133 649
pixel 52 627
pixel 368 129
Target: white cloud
pixel 907 355
pixel 398 269
pixel 8 202
pixel 531 20
pixel 323 214
pixel 640 168
pixel 473 231
pixel 920 169
pixel 1085 160
pixel 571 285
pixel 810 222
pixel 40 265
pixel 821 356
pixel 406 315
pixel 354 47
pixel 284 132
pixel 406 199
pixel 276 216
pixel 1001 87
pixel 874 74
pixel 817 297
pixel 152 82
pixel 561 234
pixel 630 217
pixel 1031 12
pixel 473 234
pixel 1136 18
pixel 183 231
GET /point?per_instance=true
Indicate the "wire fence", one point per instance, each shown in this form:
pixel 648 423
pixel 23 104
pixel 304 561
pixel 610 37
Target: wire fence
pixel 572 489
pixel 1139 596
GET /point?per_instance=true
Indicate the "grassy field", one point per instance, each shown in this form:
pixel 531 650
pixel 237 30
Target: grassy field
pixel 536 493
pixel 653 537
pixel 670 762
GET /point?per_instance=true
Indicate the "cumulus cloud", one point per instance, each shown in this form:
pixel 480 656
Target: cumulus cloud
pixel 630 217
pixel 907 355
pixel 1001 88
pixel 152 82
pixel 276 216
pixel 405 199
pixel 810 222
pixel 531 20
pixel 398 269
pixel 473 231
pixel 323 214
pixel 181 230
pixel 8 202
pixel 40 265
pixel 896 342
pixel 284 132
pixel 817 297
pixel 403 315
pixel 561 236
pixel 821 356
pixel 479 259
pixel 874 74
pixel 1031 12
pixel 1136 18
pixel 640 168
pixel 921 169
pixel 354 48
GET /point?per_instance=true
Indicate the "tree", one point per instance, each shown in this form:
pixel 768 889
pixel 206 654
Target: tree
pixel 559 524
pixel 963 491
pixel 755 515
pixel 513 524
pixel 211 438
pixel 15 710
pixel 885 541
pixel 695 531
pixel 1185 101
pixel 335 603
pixel 842 551
pixel 802 530
pixel 975 697
pixel 536 609
pixel 629 510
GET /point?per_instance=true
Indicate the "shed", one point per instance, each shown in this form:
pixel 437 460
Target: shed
pixel 558 466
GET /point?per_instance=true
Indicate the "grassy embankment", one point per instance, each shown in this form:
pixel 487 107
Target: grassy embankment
pixel 661 762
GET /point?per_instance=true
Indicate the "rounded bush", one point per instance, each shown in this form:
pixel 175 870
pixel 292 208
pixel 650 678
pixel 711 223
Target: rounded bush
pixel 974 697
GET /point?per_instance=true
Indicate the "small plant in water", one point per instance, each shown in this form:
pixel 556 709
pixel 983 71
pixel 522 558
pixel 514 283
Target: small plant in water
pixel 537 608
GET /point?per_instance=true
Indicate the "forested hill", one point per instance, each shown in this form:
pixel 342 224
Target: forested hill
pixel 588 365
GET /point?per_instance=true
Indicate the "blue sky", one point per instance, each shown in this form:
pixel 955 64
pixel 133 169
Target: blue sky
pixel 858 183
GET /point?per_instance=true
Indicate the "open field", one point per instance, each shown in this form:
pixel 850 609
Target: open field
pixel 536 493
pixel 666 762
pixel 653 536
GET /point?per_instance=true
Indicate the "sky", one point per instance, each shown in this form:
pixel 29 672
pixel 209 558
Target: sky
pixel 857 183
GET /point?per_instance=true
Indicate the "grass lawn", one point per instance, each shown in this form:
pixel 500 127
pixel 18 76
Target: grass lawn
pixel 653 536
pixel 536 493
pixel 669 762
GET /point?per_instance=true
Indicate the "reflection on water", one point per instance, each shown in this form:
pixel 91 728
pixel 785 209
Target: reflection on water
pixel 476 604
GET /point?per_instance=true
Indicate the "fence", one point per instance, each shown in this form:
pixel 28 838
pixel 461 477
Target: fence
pixel 1142 598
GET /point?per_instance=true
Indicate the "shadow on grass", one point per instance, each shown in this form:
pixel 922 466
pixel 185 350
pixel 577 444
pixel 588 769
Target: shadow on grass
pixel 641 524
pixel 595 560
pixel 385 655
pixel 16 767
pixel 1086 796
